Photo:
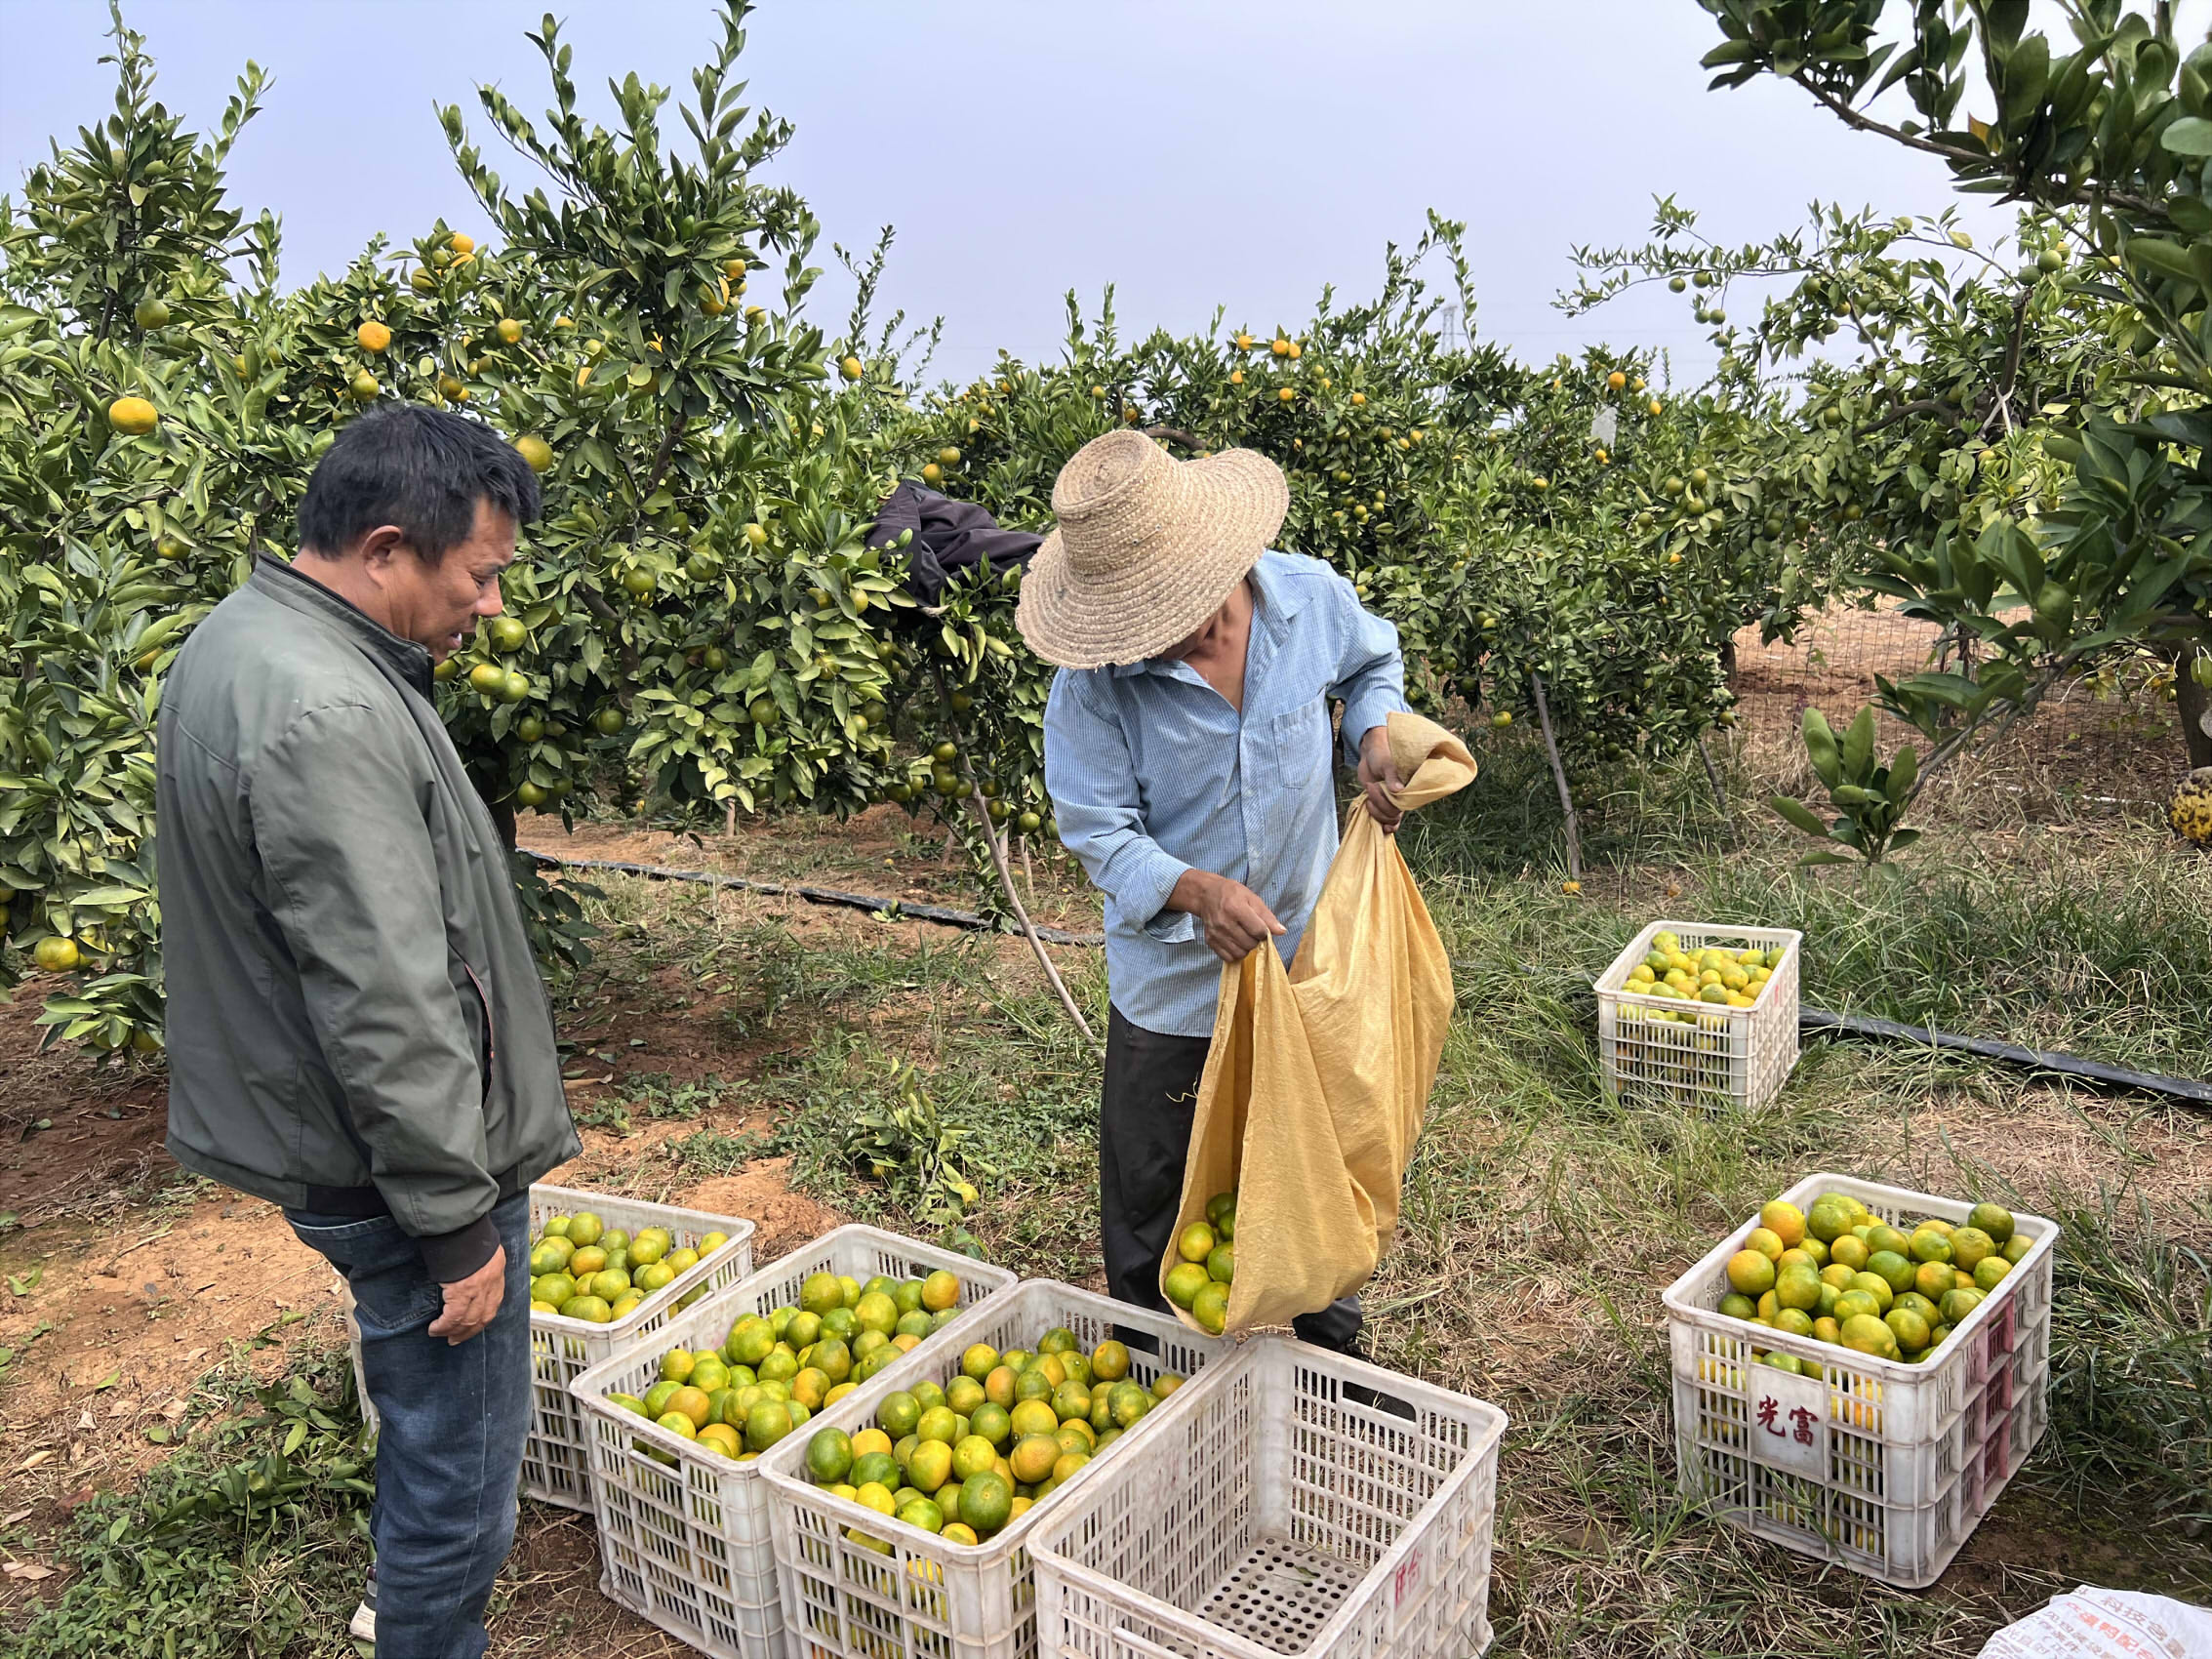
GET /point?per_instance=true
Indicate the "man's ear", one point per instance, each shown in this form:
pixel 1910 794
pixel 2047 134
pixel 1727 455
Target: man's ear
pixel 378 547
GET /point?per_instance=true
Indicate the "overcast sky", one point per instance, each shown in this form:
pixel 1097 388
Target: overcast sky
pixel 1189 151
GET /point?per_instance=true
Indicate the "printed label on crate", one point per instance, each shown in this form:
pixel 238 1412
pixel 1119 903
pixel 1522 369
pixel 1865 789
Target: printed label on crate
pixel 1408 1579
pixel 1789 1421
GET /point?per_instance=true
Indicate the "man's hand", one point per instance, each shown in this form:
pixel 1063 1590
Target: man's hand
pixel 1378 778
pixel 470 1303
pixel 1237 921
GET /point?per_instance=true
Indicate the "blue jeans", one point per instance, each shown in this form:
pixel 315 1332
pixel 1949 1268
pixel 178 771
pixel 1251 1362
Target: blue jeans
pixel 449 1449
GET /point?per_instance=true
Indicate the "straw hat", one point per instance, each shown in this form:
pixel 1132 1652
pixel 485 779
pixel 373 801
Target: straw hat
pixel 1146 549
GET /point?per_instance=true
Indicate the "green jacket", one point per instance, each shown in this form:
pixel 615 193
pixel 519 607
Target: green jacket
pixel 355 1022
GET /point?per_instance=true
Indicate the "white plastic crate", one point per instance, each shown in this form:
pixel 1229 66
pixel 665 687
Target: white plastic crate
pixel 556 1462
pixel 1890 1466
pixel 555 1459
pixel 1271 1513
pixel 686 1542
pixel 931 1597
pixel 1741 1054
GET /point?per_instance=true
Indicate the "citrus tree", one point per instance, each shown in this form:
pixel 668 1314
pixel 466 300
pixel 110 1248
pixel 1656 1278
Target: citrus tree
pixel 1568 535
pixel 690 621
pixel 2110 144
pixel 697 602
pixel 145 451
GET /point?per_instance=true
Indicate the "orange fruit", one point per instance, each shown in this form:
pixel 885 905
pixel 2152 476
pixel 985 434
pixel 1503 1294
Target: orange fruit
pixel 1750 1272
pixel 1785 1221
pixel 132 417
pixel 1034 1457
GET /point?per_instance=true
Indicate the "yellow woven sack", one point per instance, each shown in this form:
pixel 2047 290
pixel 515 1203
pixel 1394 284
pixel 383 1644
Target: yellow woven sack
pixel 1318 1075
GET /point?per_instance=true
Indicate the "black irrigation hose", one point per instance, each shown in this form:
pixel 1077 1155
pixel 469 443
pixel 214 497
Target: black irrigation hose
pixel 1818 1022
pixel 892 907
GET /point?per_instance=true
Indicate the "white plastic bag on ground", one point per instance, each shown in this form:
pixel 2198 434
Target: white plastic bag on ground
pixel 2107 1623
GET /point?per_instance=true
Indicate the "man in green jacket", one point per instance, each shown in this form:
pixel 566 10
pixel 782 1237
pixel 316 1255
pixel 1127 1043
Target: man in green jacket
pixel 356 1028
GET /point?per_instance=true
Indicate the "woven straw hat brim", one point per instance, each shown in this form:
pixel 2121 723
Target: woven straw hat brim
pixel 1223 513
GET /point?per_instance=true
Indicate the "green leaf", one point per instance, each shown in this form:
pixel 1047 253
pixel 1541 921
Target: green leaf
pixel 1904 772
pixel 1820 745
pixel 2191 134
pixel 2161 257
pixel 1859 743
pixel 1798 814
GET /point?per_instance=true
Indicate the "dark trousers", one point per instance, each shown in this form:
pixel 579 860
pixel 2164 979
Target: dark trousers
pixel 1151 1095
pixel 453 1421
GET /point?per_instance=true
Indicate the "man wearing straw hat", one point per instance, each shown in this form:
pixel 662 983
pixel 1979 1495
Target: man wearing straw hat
pixel 1187 749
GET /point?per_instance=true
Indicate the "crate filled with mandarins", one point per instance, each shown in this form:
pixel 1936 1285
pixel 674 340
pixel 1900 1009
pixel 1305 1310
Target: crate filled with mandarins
pixel 1860 1369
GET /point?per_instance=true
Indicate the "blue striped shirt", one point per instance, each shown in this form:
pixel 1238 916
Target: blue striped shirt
pixel 1151 773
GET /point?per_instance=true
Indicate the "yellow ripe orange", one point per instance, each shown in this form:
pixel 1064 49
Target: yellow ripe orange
pixel 461 243
pixel 1751 1273
pixel 133 417
pixel 1785 1221
pixel 373 335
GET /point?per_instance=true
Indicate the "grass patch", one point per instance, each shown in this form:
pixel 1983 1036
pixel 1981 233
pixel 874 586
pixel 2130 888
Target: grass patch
pixel 259 1524
pixel 1012 1104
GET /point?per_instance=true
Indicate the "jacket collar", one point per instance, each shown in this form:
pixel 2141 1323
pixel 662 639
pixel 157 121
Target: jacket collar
pixel 296 591
pixel 1276 602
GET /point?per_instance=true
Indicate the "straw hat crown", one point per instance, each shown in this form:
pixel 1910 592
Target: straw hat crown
pixel 1146 548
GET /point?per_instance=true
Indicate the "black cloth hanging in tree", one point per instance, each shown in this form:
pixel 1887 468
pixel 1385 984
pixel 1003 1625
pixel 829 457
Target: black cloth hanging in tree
pixel 951 537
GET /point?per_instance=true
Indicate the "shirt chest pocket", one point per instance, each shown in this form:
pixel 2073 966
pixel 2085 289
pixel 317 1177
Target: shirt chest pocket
pixel 1294 747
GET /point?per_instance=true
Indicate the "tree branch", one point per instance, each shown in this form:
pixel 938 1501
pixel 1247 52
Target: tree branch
pixel 1559 777
pixel 1173 434
pixel 666 454
pixel 2011 359
pixel 1867 124
pixel 1919 406
pixel 1022 915
pixel 2069 193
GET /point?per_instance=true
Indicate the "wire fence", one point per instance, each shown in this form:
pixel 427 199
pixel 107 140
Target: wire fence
pixel 2113 736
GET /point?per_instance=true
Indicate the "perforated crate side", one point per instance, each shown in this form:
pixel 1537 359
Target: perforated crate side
pixel 1908 1465
pixel 931 1598
pixel 1272 1513
pixel 556 1461
pixel 684 1536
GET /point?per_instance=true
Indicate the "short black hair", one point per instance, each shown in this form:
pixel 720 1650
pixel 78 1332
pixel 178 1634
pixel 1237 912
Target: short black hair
pixel 422 469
